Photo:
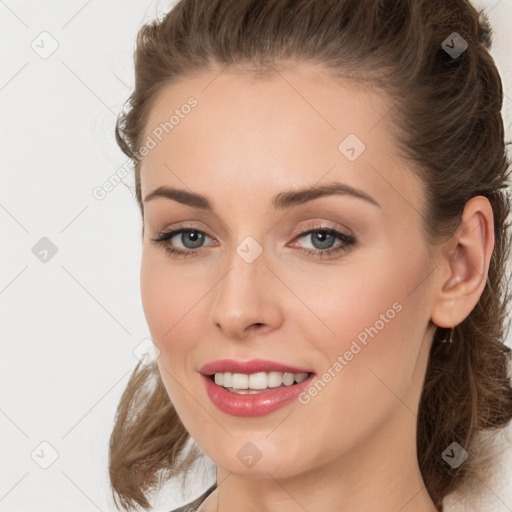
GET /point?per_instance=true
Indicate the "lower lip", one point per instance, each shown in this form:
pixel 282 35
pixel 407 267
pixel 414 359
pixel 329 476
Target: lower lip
pixel 257 404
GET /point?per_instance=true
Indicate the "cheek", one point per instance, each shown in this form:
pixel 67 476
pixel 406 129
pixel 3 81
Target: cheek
pixel 175 305
pixel 155 298
pixel 368 319
pixel 165 299
pixel 370 358
pixel 164 306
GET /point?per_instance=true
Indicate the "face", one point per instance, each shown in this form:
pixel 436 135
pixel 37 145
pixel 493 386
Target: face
pixel 255 280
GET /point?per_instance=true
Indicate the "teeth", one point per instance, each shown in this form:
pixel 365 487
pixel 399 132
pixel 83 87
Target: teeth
pixel 260 380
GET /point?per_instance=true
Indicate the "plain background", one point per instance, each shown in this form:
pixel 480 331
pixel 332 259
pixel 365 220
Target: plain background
pixel 70 324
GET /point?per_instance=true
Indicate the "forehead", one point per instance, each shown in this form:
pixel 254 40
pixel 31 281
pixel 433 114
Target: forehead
pixel 268 133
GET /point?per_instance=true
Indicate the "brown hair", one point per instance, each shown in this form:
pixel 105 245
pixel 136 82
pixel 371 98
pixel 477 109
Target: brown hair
pixel 448 123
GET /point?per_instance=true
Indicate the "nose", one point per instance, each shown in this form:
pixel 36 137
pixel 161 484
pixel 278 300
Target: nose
pixel 247 300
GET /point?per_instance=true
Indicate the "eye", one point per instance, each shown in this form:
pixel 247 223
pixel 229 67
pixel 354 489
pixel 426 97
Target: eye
pixel 191 238
pixel 323 238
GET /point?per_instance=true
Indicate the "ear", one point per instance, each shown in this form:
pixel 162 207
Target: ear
pixel 463 264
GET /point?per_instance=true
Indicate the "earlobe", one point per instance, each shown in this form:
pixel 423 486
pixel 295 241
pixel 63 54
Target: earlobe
pixel 464 264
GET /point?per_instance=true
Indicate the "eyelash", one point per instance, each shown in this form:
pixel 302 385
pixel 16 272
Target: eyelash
pixel 163 238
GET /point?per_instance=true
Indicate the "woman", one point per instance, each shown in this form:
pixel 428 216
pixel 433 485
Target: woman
pixel 322 188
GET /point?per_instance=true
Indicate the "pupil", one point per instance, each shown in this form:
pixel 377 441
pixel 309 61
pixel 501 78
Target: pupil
pixel 193 236
pixel 325 236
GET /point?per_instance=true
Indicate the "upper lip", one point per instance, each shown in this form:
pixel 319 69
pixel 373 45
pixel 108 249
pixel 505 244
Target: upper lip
pixel 251 366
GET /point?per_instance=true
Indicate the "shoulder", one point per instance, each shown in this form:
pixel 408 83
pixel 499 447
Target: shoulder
pixel 194 505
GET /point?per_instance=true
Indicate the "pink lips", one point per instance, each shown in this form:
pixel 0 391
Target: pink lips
pixel 255 404
pixel 252 366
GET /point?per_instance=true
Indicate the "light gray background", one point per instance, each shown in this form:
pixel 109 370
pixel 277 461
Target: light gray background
pixel 69 326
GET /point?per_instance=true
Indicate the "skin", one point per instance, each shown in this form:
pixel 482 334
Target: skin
pixel 353 446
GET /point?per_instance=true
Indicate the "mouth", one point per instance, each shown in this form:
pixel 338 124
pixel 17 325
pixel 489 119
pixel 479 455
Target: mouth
pixel 233 394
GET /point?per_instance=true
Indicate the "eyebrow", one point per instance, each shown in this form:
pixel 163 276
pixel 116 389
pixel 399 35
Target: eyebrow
pixel 283 200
